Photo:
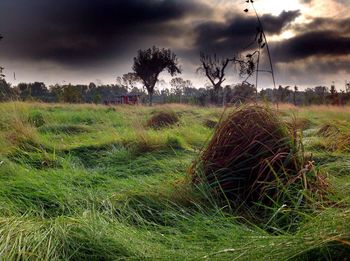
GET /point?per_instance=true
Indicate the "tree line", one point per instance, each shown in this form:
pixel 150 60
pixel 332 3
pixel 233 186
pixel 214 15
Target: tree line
pixel 181 91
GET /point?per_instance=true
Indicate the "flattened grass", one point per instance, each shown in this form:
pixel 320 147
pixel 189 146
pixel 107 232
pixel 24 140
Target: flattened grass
pixel 120 192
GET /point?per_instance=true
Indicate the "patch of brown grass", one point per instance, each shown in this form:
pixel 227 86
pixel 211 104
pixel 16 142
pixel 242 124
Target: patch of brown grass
pixel 21 134
pixel 162 119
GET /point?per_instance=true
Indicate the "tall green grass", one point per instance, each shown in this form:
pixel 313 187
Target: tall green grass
pixel 94 183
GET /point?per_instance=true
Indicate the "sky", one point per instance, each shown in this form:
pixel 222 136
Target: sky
pixel 83 41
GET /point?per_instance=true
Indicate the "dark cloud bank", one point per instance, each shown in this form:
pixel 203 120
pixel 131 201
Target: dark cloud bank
pixel 78 31
pixel 237 32
pixel 84 33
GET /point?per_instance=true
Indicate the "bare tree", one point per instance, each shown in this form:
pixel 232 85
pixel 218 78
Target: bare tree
pixel 148 64
pixel 214 69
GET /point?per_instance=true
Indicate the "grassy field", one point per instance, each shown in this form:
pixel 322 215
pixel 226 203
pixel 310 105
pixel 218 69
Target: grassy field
pixel 85 182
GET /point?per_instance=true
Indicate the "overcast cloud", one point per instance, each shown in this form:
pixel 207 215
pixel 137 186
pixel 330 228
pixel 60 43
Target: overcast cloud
pixel 83 40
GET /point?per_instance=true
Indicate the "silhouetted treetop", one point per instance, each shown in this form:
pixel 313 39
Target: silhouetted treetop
pixel 214 68
pixel 149 63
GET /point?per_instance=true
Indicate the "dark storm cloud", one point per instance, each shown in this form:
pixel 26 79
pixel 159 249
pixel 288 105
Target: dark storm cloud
pixel 85 38
pixel 322 43
pixel 322 37
pixel 332 66
pixel 78 31
pixel 237 32
pixel 340 25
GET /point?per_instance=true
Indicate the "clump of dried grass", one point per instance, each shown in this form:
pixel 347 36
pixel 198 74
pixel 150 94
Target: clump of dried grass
pixel 252 158
pixel 162 119
pixel 336 137
pixel 328 130
pixel 21 134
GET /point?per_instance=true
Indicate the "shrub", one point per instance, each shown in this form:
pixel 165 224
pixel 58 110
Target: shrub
pixel 162 119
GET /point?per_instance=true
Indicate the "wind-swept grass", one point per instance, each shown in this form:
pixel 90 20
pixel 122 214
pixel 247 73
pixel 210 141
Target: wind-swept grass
pixel 93 183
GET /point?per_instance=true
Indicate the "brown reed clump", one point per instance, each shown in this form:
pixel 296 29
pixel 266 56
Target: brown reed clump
pixel 162 119
pixel 250 156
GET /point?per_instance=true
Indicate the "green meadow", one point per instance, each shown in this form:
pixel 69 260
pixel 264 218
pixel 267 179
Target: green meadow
pixel 86 182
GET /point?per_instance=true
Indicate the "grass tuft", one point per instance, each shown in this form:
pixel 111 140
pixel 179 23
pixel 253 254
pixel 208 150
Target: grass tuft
pixel 162 119
pixel 253 161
